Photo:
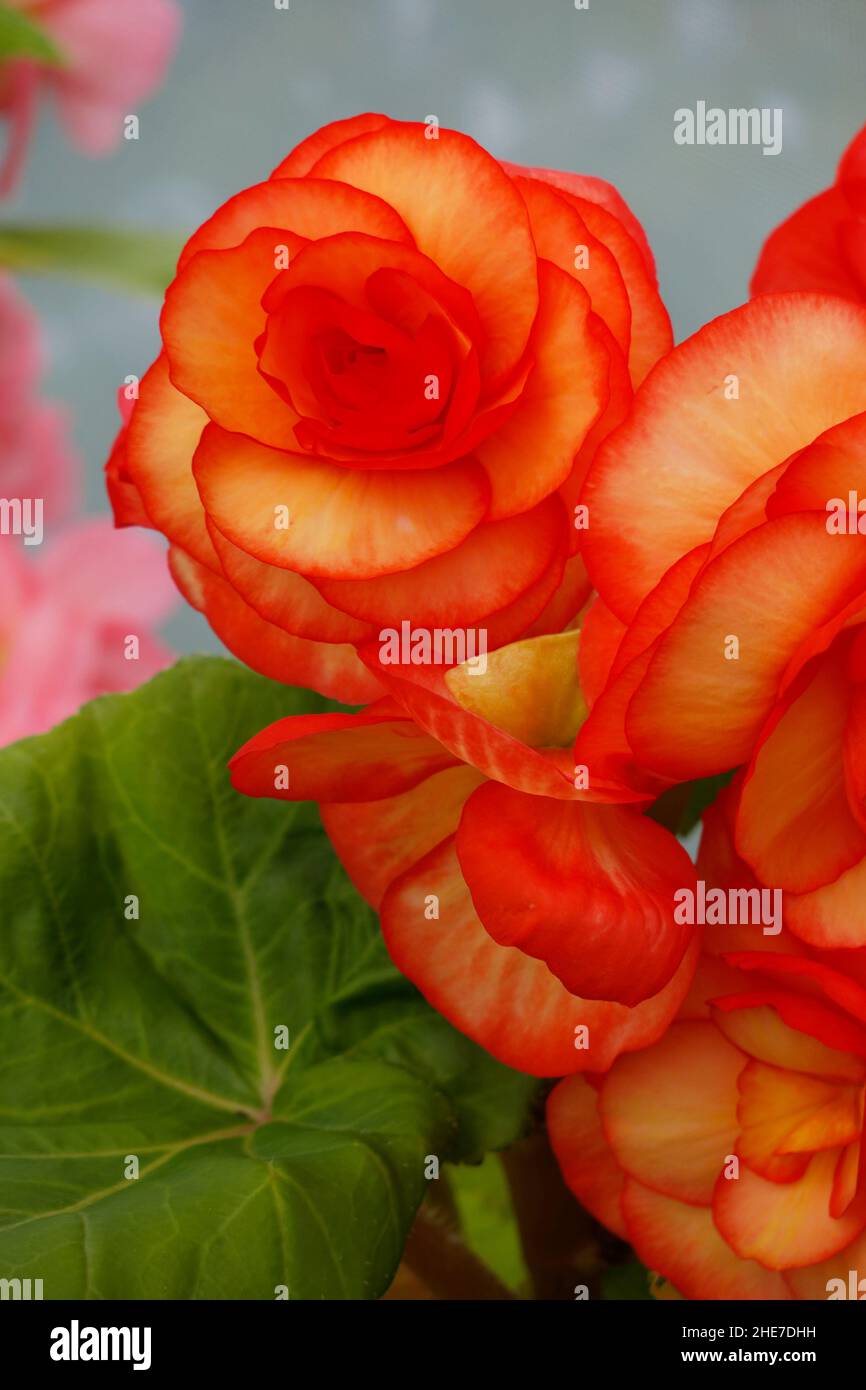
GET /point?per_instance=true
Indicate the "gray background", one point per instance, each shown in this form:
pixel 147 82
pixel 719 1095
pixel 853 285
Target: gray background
pixel 533 80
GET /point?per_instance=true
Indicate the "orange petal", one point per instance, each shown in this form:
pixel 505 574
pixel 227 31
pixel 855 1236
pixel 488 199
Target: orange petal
pixel 583 1153
pixel 600 635
pixel 342 522
pixel 533 452
pixel 833 916
pixel 210 323
pixel 679 1144
pixel 794 824
pixel 762 1034
pixel 285 598
pixel 463 212
pixel 831 467
pixel 306 154
pixel 378 840
pixel 784 1113
pixel 651 333
pixel 803 252
pixel 559 233
pixel 483 573
pixel 587 889
pixel 683 427
pixel 563 607
pixel 612 222
pixel 813 1281
pixel 593 190
pixel 682 1243
pixel 424 694
pixel 332 669
pixel 753 591
pixel 164 433
pixel 506 1001
pixel 784 1225
pixel 337 757
pixel 311 208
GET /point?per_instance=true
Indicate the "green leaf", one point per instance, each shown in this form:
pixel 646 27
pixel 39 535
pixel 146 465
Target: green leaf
pixel 681 807
pixel 487 1219
pixel 141 262
pixel 154 1039
pixel 628 1282
pixel 20 37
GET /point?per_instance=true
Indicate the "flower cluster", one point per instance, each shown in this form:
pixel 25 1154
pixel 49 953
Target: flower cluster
pixel 420 440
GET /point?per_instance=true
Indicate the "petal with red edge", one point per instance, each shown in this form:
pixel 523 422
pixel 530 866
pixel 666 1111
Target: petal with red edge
pixel 533 452
pixel 794 824
pixel 377 841
pixel 306 154
pixel 285 598
pixel 754 591
pixel 679 1144
pixel 163 435
pixel 506 1001
pixel 683 427
pixel 560 233
pixel 594 190
pixel 310 208
pixel 337 757
pixel 784 1225
pixel 424 694
pixel 343 523
pixel 834 916
pixel 463 212
pixel 583 1153
pixel 682 1243
pixel 600 635
pixel 587 889
pixel 813 1281
pixel 332 669
pixel 210 323
pixel 483 573
pixel 651 333
pixel 761 1033
pixel 831 467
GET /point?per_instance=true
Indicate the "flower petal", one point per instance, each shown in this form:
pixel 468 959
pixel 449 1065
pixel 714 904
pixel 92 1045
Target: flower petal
pixel 587 889
pixel 683 427
pixel 506 1001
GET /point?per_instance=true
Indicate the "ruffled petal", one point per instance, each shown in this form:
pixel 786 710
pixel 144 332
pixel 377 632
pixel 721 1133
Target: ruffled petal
pixel 587 889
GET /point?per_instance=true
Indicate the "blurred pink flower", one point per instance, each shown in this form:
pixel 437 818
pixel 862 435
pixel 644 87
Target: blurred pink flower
pixel 35 457
pixel 67 617
pixel 67 607
pixel 115 53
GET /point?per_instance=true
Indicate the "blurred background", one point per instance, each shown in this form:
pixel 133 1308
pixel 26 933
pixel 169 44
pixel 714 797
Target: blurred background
pixel 535 81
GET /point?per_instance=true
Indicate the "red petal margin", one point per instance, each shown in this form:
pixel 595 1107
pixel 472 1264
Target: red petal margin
pixel 587 889
pixel 506 1001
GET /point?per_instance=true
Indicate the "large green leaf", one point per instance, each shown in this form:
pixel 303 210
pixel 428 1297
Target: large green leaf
pixel 155 1037
pixel 143 262
pixel 22 37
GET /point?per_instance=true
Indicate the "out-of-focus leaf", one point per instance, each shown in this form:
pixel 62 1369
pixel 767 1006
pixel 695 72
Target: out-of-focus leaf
pixel 681 807
pixel 142 262
pixel 487 1219
pixel 627 1282
pixel 23 37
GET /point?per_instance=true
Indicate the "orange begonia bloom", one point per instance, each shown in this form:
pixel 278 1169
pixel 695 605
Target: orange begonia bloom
pixel 730 1152
pixel 384 373
pixel 537 917
pixel 726 540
